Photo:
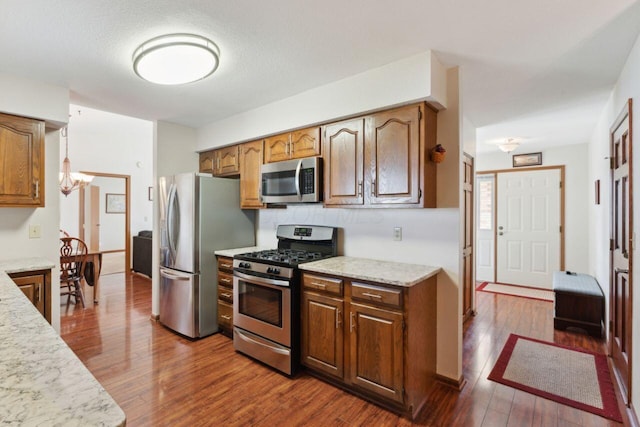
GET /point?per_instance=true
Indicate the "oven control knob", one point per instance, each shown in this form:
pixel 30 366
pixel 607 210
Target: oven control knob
pixel 273 270
pixel 244 265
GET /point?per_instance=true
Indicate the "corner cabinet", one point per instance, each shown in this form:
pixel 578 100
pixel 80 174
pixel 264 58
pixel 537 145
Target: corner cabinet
pixel 381 160
pixel 251 159
pixel 373 339
pixel 36 285
pixel 221 162
pixel 225 295
pixel 293 145
pixel 22 166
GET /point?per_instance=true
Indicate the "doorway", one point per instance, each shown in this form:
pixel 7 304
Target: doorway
pixel 105 205
pixel 520 226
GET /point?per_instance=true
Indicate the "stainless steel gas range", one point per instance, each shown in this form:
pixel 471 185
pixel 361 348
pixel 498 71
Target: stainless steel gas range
pixel 266 288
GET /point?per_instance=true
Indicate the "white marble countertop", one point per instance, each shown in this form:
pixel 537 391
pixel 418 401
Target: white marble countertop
pixel 42 382
pixel 391 273
pixel 237 251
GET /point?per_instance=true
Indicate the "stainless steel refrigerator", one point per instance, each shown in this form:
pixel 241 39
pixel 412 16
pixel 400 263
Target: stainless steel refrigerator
pixel 199 214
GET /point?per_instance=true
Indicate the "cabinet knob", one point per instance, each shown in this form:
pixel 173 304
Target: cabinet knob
pixel 351 322
pixel 373 187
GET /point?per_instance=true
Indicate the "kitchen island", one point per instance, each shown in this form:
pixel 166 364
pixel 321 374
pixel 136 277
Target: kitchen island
pixel 42 382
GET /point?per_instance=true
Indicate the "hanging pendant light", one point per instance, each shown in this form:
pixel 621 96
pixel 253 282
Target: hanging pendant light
pixel 70 181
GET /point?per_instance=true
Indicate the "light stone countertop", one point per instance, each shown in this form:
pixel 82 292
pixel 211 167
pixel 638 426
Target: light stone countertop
pixel 391 273
pixel 42 382
pixel 237 251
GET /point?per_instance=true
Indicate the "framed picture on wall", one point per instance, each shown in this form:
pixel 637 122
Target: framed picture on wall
pixel 115 203
pixel 530 159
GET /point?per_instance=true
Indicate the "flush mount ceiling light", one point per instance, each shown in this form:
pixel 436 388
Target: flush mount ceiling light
pixel 509 146
pixel 175 59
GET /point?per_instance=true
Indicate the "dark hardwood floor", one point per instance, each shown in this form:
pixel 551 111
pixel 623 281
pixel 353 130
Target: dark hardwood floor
pixel 162 379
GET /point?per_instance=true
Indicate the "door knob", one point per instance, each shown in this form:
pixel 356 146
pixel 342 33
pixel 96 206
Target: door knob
pixel 500 233
pixel 500 228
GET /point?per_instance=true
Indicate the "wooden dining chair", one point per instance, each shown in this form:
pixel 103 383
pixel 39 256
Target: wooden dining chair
pixel 73 255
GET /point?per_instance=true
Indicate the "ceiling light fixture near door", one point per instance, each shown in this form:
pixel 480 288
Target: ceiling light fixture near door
pixel 509 146
pixel 175 59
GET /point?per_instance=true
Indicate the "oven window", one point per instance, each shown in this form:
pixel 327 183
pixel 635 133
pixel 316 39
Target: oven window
pixel 260 302
pixel 279 183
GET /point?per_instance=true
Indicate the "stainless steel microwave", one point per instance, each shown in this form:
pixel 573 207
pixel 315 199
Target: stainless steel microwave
pixel 292 181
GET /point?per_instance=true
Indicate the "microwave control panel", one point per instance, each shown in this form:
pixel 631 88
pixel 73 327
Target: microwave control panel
pixel 307 181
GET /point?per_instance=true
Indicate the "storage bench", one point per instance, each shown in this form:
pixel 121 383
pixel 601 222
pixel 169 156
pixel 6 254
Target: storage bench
pixel 579 303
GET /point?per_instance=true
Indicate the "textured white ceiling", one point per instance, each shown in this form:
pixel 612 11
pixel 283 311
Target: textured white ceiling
pixel 538 70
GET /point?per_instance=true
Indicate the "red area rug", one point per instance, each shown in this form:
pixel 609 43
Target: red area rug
pixel 571 376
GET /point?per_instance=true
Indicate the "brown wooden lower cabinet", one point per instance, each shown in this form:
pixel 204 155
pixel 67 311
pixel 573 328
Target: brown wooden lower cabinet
pixel 36 285
pixel 373 339
pixel 225 295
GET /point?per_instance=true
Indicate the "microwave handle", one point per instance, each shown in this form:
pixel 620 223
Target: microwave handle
pixel 298 179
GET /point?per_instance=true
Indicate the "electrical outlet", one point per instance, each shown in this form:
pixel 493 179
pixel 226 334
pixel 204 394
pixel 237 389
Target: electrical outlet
pixel 397 233
pixel 34 231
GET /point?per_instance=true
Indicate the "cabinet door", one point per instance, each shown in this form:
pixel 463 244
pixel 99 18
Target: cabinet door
pixel 22 166
pixel 33 288
pixel 305 143
pixel 276 148
pixel 207 162
pixel 322 333
pixel 392 156
pixel 227 161
pixel 377 346
pixel 343 161
pixel 251 156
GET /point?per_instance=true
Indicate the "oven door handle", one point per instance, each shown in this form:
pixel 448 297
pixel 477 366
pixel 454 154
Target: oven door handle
pixel 256 342
pixel 262 280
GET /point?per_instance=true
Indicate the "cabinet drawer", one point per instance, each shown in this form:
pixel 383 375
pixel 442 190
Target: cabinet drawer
pixel 225 315
pixel 376 294
pixel 323 284
pixel 225 294
pixel 225 279
pixel 225 263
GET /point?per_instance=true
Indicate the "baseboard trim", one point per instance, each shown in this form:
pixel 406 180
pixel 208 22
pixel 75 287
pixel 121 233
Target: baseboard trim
pixel 155 317
pixel 451 382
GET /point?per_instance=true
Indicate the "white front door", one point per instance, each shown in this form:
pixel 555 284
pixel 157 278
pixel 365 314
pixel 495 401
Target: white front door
pixel 485 220
pixel 528 227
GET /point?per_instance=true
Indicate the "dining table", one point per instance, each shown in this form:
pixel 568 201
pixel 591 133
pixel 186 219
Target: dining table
pixel 94 261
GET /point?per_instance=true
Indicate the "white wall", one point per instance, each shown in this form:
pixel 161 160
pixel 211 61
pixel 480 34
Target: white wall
pixel 110 143
pixel 430 236
pixel 174 151
pixel 628 86
pixel 578 194
pixel 420 77
pixel 33 99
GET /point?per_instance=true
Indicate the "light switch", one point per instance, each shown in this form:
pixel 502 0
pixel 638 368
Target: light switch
pixel 34 231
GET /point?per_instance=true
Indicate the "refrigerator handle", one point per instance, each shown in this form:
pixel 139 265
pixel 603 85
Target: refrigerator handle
pixel 170 222
pixel 173 276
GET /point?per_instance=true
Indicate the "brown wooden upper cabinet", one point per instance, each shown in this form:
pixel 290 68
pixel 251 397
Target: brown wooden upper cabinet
pixel 221 162
pixel 251 157
pixel 22 165
pixel 381 159
pixel 292 145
